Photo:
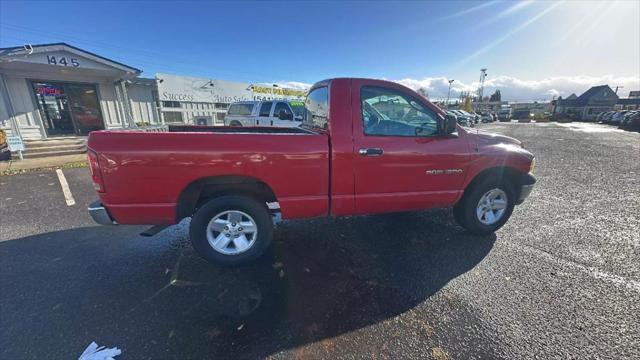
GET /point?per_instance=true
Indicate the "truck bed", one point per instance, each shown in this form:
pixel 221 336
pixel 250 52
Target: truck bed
pixel 145 173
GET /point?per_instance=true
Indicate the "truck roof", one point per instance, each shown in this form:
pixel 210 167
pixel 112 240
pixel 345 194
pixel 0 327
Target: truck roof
pixel 375 82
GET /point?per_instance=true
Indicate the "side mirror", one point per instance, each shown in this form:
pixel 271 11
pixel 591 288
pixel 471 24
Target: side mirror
pixel 449 124
pixel 283 115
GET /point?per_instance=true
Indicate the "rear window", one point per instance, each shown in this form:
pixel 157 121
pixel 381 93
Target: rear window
pixel 317 105
pixel 240 109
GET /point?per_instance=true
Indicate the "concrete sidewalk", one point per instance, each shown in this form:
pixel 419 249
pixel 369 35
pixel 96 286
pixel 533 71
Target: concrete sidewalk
pixel 39 163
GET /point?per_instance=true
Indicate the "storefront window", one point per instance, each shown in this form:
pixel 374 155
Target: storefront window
pixel 171 104
pixel 68 108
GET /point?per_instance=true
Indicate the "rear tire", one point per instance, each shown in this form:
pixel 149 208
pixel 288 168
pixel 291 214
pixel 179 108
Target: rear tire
pixel 486 206
pixel 231 230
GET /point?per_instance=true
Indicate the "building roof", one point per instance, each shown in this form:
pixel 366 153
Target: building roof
pixel 143 81
pixel 19 49
pixel 585 96
pixel 583 99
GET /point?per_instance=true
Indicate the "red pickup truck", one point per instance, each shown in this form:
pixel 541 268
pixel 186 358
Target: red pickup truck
pixel 365 146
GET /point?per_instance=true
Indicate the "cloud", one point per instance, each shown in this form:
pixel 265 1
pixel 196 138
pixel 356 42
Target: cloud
pixel 512 88
pixel 293 85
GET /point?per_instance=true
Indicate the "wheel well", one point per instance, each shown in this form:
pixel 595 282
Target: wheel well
pixel 200 191
pixel 501 174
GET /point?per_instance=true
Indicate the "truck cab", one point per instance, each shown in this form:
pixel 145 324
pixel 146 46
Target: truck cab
pixel 277 113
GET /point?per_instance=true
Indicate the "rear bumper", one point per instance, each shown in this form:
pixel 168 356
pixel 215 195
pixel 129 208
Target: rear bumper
pixel 100 214
pixel 526 186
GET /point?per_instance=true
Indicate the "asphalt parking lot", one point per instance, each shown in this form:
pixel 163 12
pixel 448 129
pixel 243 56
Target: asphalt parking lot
pixel 560 280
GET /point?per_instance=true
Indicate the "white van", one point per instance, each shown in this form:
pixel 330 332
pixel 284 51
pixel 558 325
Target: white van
pixel 278 113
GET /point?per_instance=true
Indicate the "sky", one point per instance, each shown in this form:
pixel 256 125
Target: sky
pixel 533 50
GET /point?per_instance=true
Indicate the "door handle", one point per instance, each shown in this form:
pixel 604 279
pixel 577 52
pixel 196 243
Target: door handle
pixel 371 152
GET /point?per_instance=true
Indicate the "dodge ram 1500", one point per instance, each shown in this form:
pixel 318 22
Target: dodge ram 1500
pixel 365 146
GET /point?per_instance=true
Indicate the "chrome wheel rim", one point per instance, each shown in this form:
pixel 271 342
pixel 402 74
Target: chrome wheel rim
pixel 232 232
pixel 492 206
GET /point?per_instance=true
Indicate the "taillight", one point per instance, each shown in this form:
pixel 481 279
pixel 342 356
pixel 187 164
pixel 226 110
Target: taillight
pixel 96 174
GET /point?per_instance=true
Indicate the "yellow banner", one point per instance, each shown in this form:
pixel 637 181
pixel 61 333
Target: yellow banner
pixel 278 91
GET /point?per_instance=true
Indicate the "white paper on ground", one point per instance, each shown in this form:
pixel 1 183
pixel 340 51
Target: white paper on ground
pixel 93 352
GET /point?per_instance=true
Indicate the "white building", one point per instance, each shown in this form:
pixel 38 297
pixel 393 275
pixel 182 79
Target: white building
pixel 205 101
pixel 53 90
pixel 59 90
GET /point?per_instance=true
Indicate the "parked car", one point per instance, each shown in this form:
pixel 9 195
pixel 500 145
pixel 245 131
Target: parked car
pixel 627 119
pixel 235 183
pixel 476 117
pixel 504 115
pixel 485 117
pixel 599 116
pixel 278 113
pixel 606 118
pixel 616 119
pixel 521 114
pixel 633 122
pixel 463 118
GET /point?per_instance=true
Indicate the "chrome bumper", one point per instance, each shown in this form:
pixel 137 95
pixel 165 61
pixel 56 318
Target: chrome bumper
pixel 100 214
pixel 526 186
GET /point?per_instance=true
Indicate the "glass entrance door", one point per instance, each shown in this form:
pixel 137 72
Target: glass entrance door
pixel 54 108
pixel 68 108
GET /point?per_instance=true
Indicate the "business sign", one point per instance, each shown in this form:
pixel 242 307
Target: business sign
pixel 15 143
pixel 191 89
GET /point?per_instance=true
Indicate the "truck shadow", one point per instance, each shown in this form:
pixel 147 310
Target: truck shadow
pixel 155 298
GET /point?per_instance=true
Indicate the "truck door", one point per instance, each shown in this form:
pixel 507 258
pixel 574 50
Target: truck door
pixel 401 161
pixel 264 115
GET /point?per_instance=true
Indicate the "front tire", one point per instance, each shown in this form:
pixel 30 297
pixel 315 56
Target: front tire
pixel 486 206
pixel 231 230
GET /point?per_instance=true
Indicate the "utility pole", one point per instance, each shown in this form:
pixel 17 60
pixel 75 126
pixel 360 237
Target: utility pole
pixel 483 74
pixel 449 93
pixel 618 87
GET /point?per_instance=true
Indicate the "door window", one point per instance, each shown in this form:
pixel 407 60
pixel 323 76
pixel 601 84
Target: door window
pixel 85 108
pixel 265 109
pixel 389 112
pixel 282 107
pixel 54 108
